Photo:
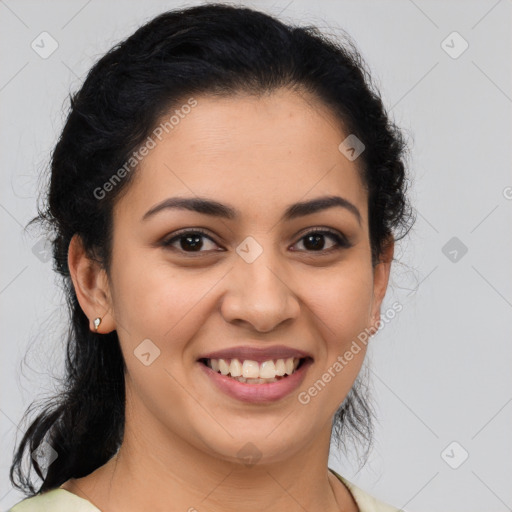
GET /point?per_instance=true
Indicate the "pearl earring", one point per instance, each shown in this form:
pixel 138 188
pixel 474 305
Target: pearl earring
pixel 97 322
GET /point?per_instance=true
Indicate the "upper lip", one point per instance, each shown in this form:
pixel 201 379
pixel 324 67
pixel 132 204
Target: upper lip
pixel 259 354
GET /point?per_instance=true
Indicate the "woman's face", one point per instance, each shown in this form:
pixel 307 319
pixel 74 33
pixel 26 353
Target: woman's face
pixel 251 280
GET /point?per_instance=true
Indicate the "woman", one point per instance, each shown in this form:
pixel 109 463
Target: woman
pixel 225 198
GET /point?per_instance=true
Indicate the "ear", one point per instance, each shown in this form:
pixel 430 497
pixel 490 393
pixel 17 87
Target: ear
pixel 91 286
pixel 381 273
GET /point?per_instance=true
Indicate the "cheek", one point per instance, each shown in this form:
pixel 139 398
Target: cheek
pixel 340 303
pixel 342 299
pixel 155 300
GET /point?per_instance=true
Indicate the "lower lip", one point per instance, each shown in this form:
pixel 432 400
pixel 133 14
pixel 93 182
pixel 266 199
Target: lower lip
pixel 258 393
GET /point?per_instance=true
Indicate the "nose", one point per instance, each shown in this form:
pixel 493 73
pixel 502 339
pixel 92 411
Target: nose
pixel 259 294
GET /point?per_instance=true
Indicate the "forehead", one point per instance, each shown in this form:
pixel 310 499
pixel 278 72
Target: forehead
pixel 253 152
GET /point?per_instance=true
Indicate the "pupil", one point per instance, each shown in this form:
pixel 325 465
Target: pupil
pixel 194 242
pixel 318 242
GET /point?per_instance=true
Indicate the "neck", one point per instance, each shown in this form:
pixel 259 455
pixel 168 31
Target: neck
pixel 155 468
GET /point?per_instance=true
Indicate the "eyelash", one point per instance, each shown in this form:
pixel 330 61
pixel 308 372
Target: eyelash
pixel 341 241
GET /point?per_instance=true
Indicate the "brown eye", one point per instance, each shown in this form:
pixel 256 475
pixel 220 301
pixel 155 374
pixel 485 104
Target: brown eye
pixel 314 241
pixel 193 241
pixel 188 241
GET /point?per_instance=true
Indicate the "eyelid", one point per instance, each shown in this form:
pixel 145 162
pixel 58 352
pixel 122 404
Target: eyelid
pixel 341 240
pixel 182 232
pixel 323 230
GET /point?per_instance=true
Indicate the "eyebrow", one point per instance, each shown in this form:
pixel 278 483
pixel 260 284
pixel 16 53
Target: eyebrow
pixel 216 209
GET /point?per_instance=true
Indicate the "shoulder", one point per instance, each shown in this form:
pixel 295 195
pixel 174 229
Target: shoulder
pixel 56 500
pixel 366 502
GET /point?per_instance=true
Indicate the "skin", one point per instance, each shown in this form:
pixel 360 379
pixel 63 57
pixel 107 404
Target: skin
pixel 182 435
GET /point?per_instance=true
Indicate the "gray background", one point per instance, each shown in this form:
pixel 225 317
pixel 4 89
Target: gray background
pixel 440 370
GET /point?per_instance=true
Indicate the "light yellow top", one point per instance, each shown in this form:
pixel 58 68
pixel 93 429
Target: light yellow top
pixel 60 500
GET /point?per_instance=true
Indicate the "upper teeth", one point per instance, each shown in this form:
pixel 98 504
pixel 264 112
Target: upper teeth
pixel 252 369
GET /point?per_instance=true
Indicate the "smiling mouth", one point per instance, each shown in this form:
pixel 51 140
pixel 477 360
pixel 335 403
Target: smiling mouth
pixel 251 372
